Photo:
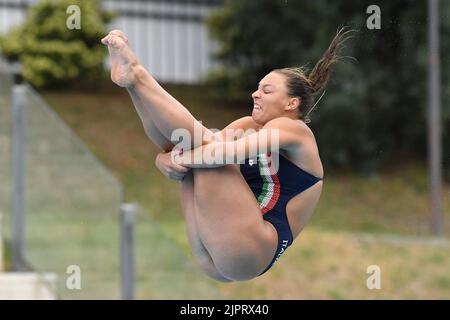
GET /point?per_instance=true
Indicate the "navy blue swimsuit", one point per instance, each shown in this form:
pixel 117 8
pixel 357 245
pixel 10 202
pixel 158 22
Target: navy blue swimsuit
pixel 273 189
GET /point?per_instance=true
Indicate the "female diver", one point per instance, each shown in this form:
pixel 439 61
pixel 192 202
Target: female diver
pixel 240 216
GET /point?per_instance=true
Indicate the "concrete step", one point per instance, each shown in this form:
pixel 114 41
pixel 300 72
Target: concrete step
pixel 27 286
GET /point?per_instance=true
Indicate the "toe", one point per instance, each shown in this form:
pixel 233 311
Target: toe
pixel 105 40
pixel 120 34
pixel 113 42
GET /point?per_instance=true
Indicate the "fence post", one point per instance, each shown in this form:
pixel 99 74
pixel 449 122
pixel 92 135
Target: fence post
pixel 127 211
pixel 18 167
pixel 2 264
pixel 435 119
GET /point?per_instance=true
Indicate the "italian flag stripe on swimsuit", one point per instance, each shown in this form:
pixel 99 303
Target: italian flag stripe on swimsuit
pixel 270 192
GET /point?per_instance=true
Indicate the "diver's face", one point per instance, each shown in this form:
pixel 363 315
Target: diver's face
pixel 270 100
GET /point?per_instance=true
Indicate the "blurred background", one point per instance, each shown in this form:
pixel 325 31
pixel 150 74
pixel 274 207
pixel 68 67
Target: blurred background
pixel 73 150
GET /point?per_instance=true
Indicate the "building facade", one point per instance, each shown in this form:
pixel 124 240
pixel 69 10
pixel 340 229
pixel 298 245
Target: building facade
pixel 169 37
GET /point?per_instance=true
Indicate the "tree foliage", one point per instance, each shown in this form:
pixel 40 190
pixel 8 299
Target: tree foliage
pixel 52 54
pixel 375 107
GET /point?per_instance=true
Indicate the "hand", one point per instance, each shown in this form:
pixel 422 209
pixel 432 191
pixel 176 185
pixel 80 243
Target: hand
pixel 168 168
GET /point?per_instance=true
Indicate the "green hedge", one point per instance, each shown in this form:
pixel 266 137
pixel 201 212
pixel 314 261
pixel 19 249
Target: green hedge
pixel 50 53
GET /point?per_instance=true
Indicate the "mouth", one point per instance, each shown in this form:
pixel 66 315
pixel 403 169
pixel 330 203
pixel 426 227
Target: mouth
pixel 256 107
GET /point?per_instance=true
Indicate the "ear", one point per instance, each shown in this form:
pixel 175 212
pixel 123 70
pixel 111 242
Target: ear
pixel 294 103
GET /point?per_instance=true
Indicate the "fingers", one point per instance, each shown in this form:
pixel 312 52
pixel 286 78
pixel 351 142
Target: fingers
pixel 174 155
pixel 179 168
pixel 177 176
pixel 166 164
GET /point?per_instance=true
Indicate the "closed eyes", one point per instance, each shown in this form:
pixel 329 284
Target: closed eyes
pixel 265 88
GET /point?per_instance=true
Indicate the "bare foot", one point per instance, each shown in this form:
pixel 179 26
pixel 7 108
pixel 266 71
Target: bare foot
pixel 123 60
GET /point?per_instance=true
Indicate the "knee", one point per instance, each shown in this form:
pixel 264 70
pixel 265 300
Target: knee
pixel 240 267
pixel 210 270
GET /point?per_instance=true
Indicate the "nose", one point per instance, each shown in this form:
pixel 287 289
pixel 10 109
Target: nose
pixel 255 94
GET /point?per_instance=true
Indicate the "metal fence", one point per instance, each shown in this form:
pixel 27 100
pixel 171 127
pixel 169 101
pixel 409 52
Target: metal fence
pixel 65 204
pixel 60 206
pixel 64 213
pixel 162 269
pixel 170 38
pixel 6 82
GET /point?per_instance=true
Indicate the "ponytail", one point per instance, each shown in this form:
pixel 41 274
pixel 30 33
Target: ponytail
pixel 321 72
pixel 307 87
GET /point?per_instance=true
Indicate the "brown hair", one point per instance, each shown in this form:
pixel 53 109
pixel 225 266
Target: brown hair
pixel 307 87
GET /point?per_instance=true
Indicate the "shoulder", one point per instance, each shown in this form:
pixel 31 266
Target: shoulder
pixel 244 123
pixel 247 122
pixel 288 125
pixel 298 144
pixel 239 128
pixel 240 122
pixel 292 134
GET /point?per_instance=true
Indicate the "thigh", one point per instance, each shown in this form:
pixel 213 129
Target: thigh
pixel 230 222
pixel 188 209
pixel 151 130
pixel 198 249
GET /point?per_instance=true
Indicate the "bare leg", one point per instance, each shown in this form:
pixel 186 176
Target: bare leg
pixel 187 199
pixel 150 128
pixel 230 224
pixel 198 249
pixel 239 241
pixel 165 111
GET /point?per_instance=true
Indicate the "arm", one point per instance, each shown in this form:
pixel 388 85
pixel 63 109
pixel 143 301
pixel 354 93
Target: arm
pixel 236 129
pixel 164 161
pixel 276 134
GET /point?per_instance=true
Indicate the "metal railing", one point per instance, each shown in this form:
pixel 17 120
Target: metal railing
pixel 65 203
pixel 68 216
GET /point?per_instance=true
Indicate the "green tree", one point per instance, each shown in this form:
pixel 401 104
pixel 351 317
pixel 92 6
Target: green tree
pixel 375 107
pixel 51 54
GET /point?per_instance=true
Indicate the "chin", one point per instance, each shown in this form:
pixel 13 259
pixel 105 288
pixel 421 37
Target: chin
pixel 258 120
pixel 255 117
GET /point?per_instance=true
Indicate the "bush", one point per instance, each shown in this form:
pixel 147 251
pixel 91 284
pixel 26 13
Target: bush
pixel 50 53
